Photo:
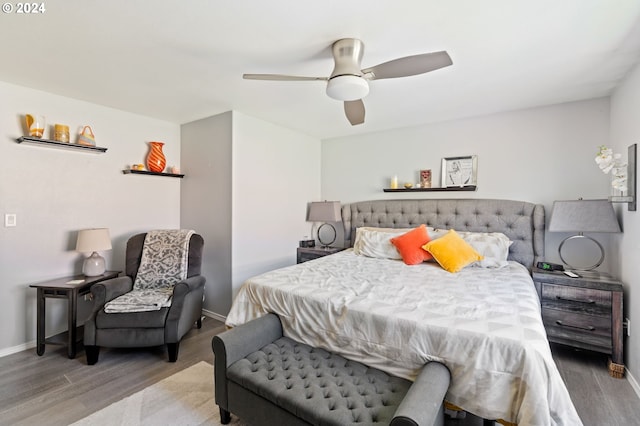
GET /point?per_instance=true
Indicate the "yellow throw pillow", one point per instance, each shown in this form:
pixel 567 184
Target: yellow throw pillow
pixel 452 252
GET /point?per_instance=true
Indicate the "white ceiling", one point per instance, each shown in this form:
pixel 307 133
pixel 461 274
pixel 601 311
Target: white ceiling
pixel 183 60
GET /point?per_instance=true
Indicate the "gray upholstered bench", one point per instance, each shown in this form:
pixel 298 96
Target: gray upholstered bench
pixel 267 379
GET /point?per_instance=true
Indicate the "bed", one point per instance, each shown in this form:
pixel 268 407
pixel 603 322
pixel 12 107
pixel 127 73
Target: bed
pixel 483 323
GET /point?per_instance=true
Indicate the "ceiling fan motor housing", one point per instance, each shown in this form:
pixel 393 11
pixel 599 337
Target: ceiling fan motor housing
pixel 346 82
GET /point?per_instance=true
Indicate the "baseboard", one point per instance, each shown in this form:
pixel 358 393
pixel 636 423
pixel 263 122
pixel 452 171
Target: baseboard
pixel 213 315
pixel 633 382
pixel 16 349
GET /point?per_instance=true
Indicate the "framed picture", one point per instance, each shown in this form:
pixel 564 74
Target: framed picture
pixel 425 178
pixel 459 171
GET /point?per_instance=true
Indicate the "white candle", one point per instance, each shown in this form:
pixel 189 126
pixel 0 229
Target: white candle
pixel 394 182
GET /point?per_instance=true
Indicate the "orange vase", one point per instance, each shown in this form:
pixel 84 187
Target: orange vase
pixel 155 158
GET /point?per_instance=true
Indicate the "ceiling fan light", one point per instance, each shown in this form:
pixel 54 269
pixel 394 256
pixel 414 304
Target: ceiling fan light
pixel 347 88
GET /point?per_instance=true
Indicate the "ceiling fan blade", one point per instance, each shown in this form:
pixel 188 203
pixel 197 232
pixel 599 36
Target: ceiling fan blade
pixel 409 65
pixel 354 110
pixel 281 77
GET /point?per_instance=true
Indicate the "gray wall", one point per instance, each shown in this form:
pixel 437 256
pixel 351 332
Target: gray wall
pixel 625 131
pixel 205 202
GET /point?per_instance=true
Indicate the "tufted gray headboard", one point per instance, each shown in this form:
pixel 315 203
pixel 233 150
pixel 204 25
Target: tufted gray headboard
pixel 522 222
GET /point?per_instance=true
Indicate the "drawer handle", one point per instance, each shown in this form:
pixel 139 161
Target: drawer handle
pixel 568 299
pixel 588 328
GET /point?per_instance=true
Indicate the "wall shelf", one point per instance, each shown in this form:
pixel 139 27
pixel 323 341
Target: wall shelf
pixel 145 172
pixel 450 188
pixel 56 144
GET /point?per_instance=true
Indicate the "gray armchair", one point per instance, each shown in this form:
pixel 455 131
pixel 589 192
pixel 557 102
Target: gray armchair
pixel 166 326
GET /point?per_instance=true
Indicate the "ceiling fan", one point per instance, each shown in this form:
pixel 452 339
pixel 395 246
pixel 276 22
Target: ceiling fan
pixel 349 83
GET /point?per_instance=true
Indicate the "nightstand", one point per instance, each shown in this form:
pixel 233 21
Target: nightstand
pixel 64 288
pixel 310 253
pixel 584 312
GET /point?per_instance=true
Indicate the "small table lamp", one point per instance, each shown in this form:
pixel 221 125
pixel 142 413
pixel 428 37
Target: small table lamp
pixel 93 240
pixel 324 211
pixel 583 216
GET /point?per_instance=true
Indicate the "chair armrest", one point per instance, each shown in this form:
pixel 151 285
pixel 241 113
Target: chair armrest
pixel 422 405
pixel 187 285
pixel 105 291
pixel 189 291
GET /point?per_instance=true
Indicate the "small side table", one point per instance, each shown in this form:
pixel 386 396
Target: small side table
pixel 64 288
pixel 309 253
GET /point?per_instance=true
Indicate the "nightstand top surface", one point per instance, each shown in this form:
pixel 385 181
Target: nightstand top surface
pixel 589 279
pixel 327 250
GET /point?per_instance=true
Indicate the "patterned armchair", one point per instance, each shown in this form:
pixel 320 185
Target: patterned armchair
pixel 164 325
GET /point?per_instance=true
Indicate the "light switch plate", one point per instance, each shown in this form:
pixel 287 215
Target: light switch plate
pixel 9 220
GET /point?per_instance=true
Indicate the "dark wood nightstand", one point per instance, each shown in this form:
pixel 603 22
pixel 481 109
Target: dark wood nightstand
pixel 584 312
pixel 310 253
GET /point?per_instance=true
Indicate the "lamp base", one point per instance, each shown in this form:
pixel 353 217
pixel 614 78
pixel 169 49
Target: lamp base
pixel 94 265
pixel 325 244
pixel 587 268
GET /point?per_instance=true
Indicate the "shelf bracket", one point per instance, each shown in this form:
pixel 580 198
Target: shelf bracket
pixel 632 171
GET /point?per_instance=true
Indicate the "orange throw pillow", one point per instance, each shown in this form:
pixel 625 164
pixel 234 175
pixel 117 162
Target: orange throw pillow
pixel 409 245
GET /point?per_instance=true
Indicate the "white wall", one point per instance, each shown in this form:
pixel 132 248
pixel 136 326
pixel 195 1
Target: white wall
pixel 625 131
pixel 276 172
pixel 206 201
pixel 537 155
pixel 56 192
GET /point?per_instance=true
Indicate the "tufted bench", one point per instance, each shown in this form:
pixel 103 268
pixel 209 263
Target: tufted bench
pixel 268 379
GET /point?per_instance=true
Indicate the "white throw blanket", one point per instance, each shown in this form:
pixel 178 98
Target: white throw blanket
pixel 164 263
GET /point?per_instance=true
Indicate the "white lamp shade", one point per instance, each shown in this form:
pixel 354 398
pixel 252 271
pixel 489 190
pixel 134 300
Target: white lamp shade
pixel 90 240
pixel 324 211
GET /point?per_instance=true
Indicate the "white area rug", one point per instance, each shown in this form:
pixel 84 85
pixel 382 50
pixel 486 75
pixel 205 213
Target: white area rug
pixel 186 398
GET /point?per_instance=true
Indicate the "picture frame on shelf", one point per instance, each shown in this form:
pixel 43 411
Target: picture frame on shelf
pixel 459 171
pixel 425 178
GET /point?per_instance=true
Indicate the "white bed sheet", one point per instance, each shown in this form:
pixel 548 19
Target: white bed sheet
pixel 483 324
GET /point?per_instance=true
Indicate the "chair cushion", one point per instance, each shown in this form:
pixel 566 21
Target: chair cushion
pixel 149 319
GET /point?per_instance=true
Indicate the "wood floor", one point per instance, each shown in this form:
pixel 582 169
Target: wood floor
pixel 55 390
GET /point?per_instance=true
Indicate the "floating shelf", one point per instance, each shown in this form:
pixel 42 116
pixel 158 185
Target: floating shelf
pixel 450 188
pixel 145 172
pixel 56 144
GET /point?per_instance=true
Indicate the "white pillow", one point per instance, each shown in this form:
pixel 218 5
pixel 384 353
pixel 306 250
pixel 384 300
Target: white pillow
pixel 494 246
pixel 376 242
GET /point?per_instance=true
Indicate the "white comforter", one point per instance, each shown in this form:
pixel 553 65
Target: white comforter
pixel 483 324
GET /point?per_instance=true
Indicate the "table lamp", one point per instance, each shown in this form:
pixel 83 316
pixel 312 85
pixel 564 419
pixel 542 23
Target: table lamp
pixel 93 240
pixel 583 216
pixel 324 211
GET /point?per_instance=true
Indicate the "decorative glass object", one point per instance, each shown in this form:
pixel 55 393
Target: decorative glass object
pixel 155 159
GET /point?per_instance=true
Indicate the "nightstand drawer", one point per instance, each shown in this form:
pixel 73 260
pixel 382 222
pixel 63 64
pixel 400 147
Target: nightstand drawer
pixel 566 327
pixel 587 297
pixel 304 257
